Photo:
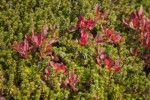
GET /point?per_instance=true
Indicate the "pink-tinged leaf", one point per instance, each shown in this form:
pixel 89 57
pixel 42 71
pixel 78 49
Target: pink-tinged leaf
pixel 90 24
pixel 106 13
pixel 28 38
pixel 117 66
pixel 125 21
pixel 22 48
pixel 131 25
pixel 99 39
pixel 47 52
pixel 133 15
pixel 72 29
pixel 39 40
pixel 99 61
pixel 97 10
pixel 71 81
pixel 136 52
pixel 36 39
pixel 52 64
pixel 141 10
pixel 109 63
pixel 114 37
pixel 44 30
pixel 58 66
pixel 83 41
pixel 117 62
pixel 100 51
pixel 131 50
pixel 80 22
pixel 2 97
pixel 83 33
pixel 135 22
pixel 109 32
pixel 66 82
pixel 116 69
pixel 47 71
pixel 51 41
pixel 84 37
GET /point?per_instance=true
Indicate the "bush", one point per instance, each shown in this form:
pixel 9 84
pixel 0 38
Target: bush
pixel 62 49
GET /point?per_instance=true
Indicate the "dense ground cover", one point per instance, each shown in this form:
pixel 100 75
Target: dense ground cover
pixel 80 49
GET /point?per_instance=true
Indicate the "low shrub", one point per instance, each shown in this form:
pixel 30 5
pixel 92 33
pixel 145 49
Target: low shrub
pixel 81 49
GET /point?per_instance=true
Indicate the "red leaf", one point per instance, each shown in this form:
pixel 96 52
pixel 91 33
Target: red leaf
pixel 116 69
pixel 97 10
pixel 47 71
pixel 80 22
pixel 125 21
pixel 44 30
pixel 141 10
pixel 136 52
pixel 106 13
pixel 51 41
pixel 72 29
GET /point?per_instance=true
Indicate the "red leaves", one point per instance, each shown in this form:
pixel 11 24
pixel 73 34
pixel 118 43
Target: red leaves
pixel 109 63
pixel 134 52
pixel 140 23
pixel 48 51
pixel 22 48
pixel 38 39
pixel 136 19
pixel 146 39
pixel 114 37
pixel 99 39
pixel 72 81
pixel 87 25
pixel 100 15
pixel 47 71
pixel 83 23
pixel 58 66
pixel 103 58
pixel 84 37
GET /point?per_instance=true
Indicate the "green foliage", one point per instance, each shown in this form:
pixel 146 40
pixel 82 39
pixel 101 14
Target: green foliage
pixel 23 79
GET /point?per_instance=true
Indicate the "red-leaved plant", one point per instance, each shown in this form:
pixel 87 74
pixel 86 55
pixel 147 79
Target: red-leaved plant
pixel 114 37
pixel 38 39
pixel 71 81
pixel 103 58
pixel 58 66
pixel 85 25
pixel 22 48
pixel 140 23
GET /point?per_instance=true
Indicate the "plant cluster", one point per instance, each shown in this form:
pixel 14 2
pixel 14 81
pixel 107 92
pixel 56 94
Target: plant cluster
pixel 81 52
